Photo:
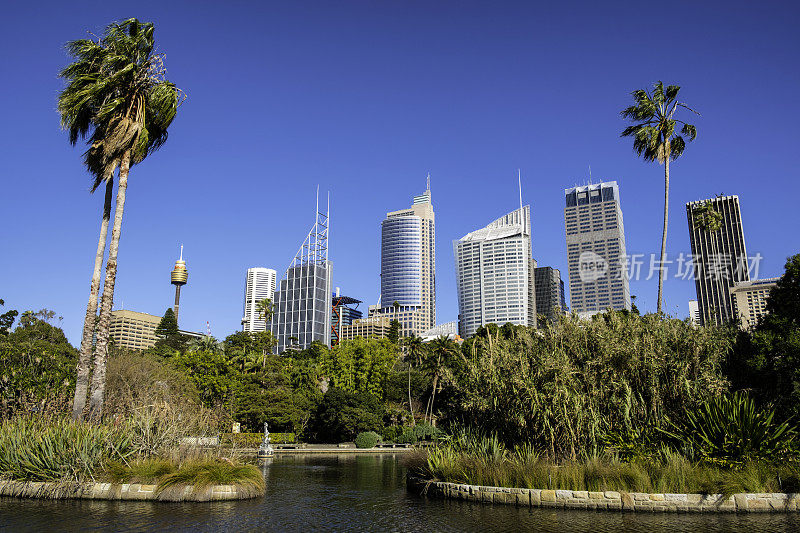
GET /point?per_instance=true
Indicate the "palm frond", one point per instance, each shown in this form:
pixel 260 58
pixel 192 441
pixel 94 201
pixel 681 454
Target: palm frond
pixel 690 131
pixel 672 92
pixel 677 146
pixel 116 96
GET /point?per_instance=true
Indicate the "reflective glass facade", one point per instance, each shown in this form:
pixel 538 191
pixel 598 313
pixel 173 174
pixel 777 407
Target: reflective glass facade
pixel 302 307
pixel 401 260
pixel 408 267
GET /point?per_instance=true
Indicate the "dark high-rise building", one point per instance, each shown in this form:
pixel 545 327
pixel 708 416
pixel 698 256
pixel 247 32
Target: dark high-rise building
pixel 302 303
pixel 550 300
pixel 719 258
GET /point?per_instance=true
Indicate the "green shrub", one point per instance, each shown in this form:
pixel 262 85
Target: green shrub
pixel 427 432
pixel 392 433
pixel 566 386
pixel 367 439
pixel 407 437
pixel 34 449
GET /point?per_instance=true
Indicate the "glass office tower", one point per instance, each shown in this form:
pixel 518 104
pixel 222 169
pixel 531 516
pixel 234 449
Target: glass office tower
pixel 408 266
pixel 303 298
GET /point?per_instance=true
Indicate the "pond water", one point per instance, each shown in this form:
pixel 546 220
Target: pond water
pixel 346 492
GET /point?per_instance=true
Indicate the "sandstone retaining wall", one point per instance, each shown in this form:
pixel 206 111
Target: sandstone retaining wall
pixel 123 491
pixel 610 500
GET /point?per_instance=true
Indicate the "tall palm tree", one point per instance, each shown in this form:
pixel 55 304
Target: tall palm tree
pixel 118 99
pixel 265 311
pixel 415 350
pixel 655 139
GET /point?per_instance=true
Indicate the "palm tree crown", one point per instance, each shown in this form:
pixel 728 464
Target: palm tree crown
pixel 654 134
pixel 117 96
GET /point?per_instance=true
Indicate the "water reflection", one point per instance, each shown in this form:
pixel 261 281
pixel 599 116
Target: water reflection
pixel 351 492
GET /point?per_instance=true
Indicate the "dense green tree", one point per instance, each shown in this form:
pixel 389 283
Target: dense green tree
pixel 168 326
pixel 414 351
pixel 342 415
pixel 360 365
pixel 7 319
pixel 394 332
pixel 212 374
pixel 118 99
pixel 766 360
pixel 655 138
pixel 439 357
pixel 36 365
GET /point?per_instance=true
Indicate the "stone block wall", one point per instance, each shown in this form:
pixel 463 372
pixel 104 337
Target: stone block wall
pixel 609 500
pixel 124 491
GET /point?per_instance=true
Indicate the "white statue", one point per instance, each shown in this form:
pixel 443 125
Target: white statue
pixel 265 449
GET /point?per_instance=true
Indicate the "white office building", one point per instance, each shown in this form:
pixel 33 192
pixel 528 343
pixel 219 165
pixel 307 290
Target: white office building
pixel 495 274
pixel 259 284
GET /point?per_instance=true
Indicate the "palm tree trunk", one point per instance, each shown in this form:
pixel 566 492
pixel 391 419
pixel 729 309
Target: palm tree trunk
pixel 664 233
pixel 433 396
pixel 90 321
pixel 101 349
pixel 410 407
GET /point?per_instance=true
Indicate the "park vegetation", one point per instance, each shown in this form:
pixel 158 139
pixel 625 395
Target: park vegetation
pixel 619 389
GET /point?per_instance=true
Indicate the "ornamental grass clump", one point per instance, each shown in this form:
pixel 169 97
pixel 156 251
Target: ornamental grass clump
pixel 57 449
pixel 488 463
pixel 202 473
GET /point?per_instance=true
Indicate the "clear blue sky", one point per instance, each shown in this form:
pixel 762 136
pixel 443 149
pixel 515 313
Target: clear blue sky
pixel 365 98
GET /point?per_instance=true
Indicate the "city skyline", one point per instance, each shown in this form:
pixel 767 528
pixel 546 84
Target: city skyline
pixel 464 103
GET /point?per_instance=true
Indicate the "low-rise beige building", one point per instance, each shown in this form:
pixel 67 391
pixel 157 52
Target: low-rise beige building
pixel 750 299
pixel 367 327
pixel 134 330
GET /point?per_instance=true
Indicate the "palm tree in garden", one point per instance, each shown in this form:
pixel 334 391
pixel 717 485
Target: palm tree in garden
pixel 655 139
pixel 117 98
pixel 440 351
pixel 414 351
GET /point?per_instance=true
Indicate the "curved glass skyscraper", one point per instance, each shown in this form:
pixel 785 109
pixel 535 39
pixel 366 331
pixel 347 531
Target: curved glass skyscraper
pixel 408 265
pixel 401 260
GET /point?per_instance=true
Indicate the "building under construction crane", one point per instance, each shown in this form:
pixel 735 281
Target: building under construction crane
pixel 344 310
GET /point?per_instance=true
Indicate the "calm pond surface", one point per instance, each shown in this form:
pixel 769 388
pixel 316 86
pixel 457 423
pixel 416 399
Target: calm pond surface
pixel 351 493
